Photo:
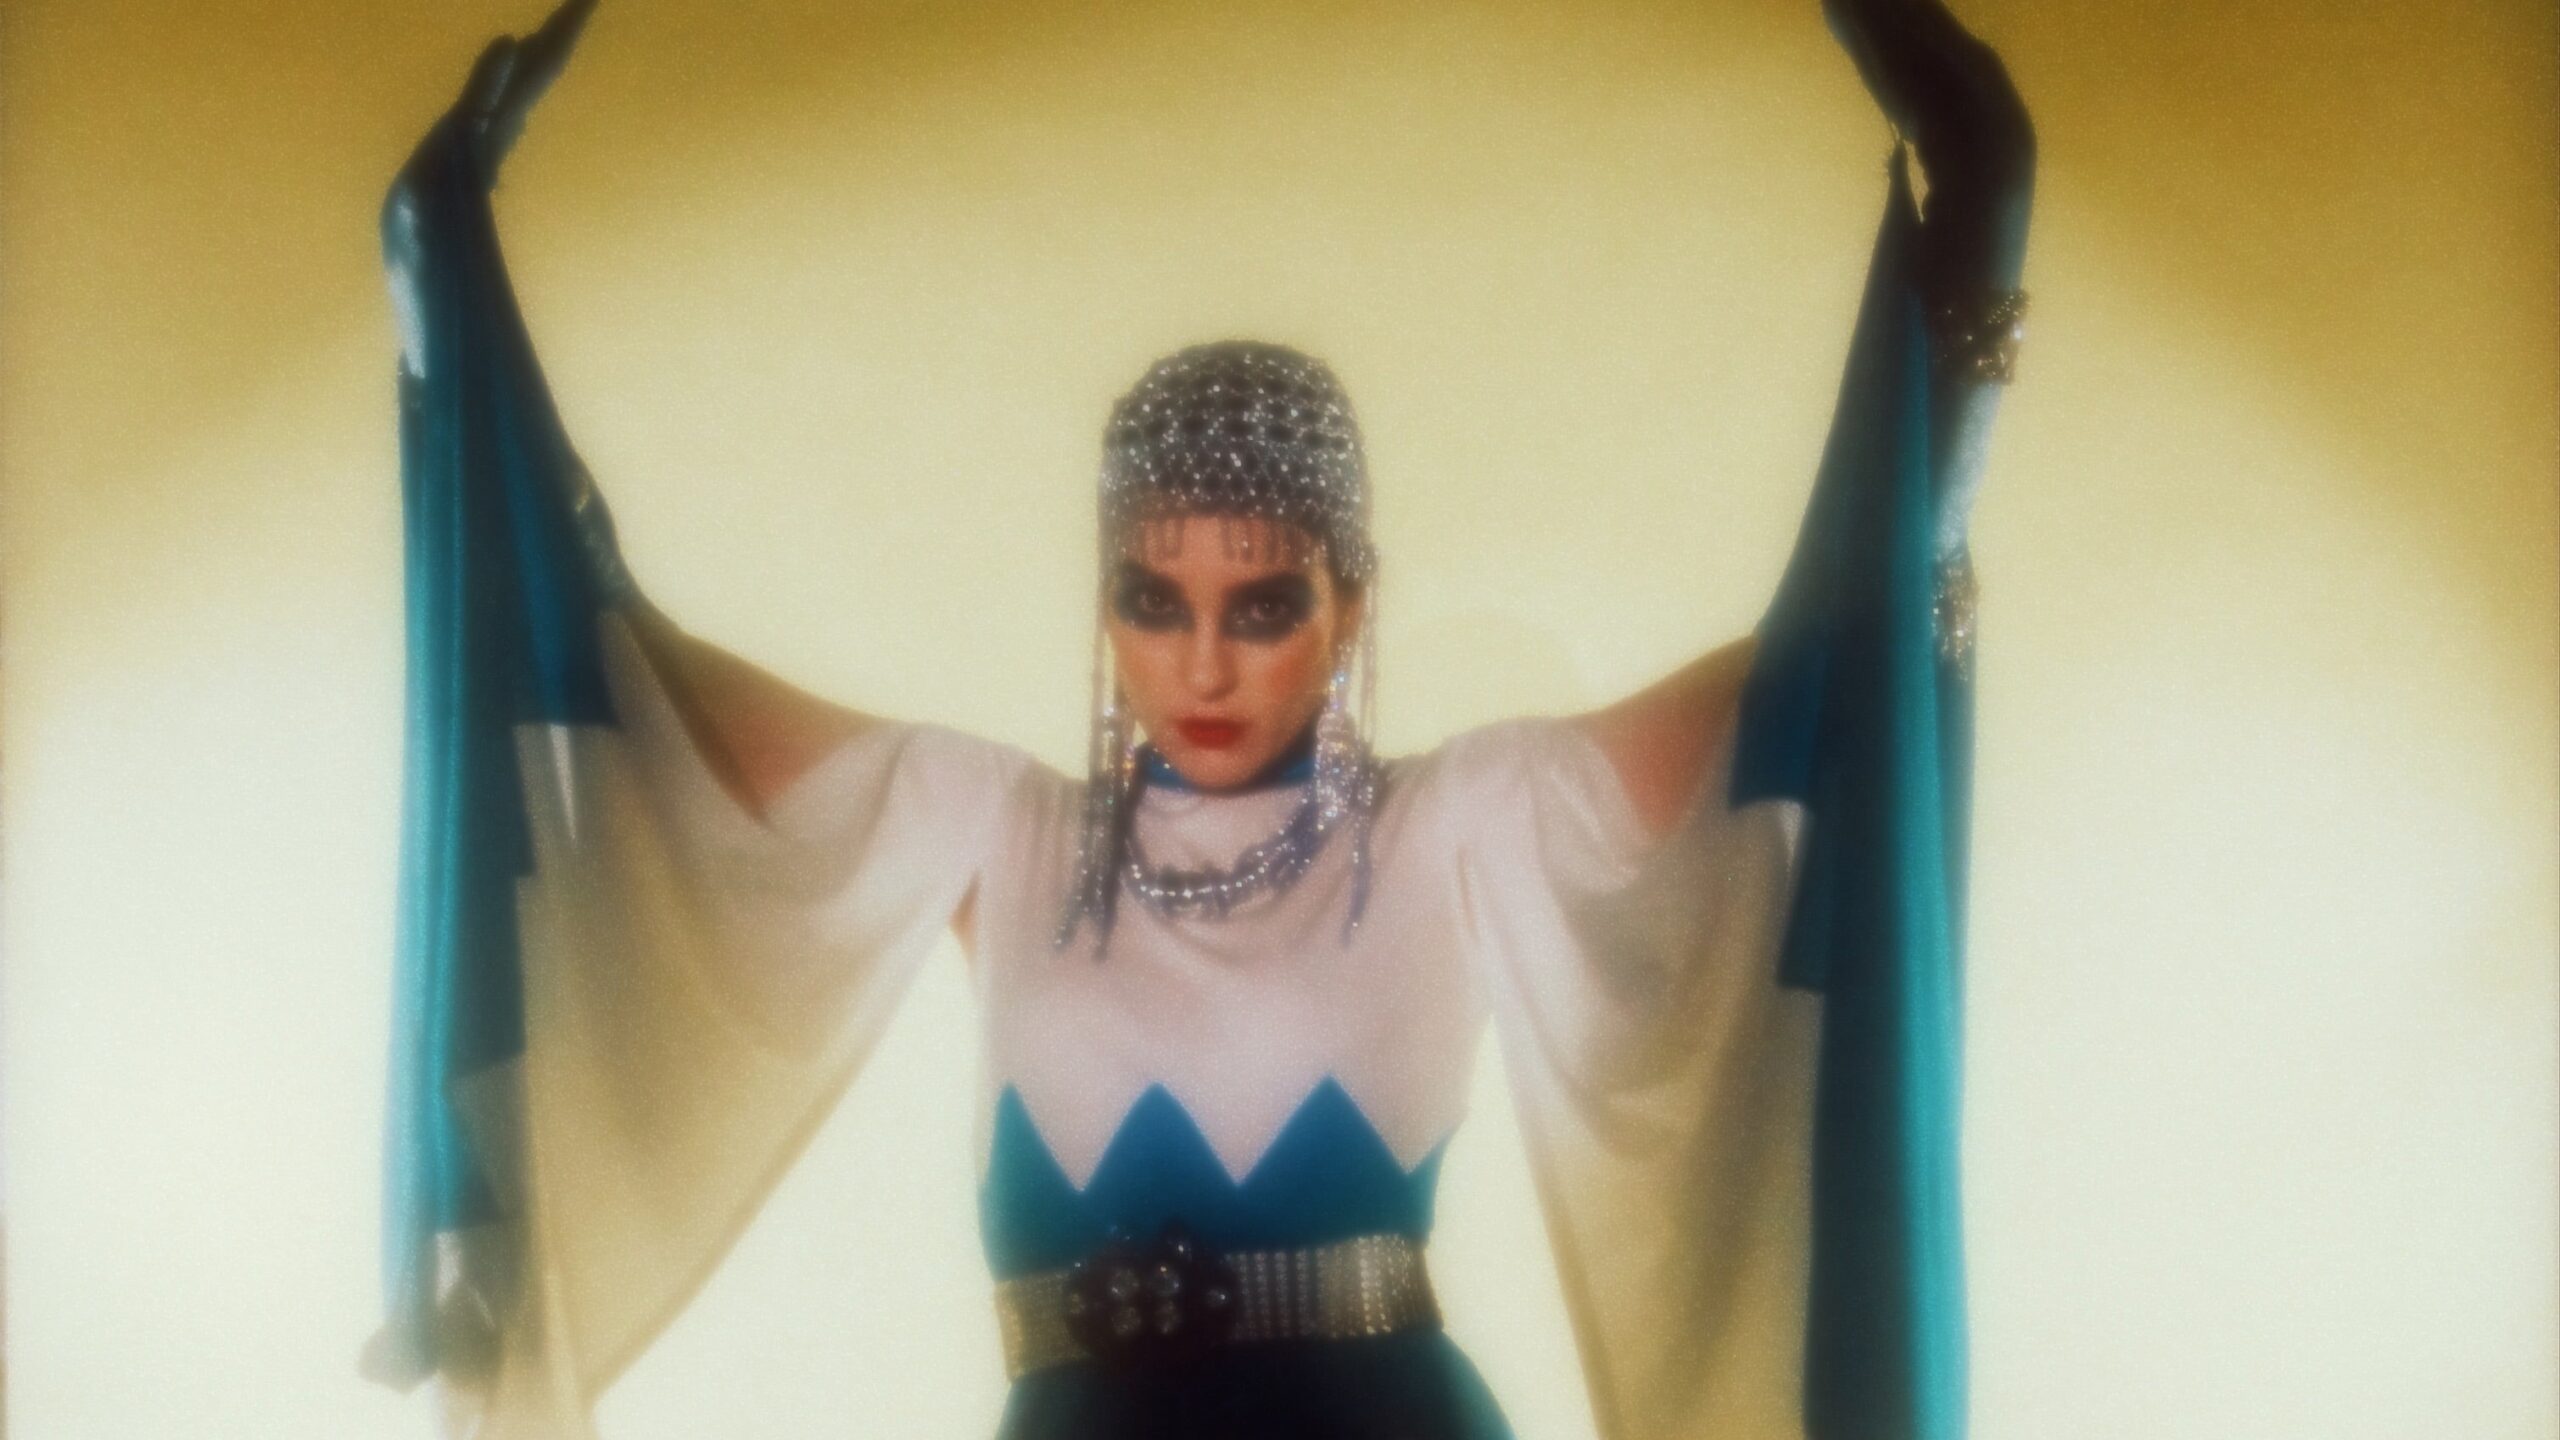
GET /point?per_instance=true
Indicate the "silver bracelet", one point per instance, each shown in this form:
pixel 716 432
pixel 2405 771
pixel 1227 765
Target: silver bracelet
pixel 1952 608
pixel 1974 337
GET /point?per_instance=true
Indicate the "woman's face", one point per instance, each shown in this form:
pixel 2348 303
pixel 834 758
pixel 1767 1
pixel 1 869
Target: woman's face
pixel 1224 656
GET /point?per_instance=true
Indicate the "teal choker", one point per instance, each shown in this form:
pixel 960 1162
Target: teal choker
pixel 1293 766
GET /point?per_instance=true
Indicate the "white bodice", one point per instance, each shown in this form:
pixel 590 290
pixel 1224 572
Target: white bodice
pixel 1239 1017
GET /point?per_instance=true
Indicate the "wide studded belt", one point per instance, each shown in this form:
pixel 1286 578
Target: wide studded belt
pixel 1138 1303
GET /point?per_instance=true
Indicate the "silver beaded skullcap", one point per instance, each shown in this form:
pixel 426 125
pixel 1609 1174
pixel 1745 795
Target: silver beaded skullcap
pixel 1240 428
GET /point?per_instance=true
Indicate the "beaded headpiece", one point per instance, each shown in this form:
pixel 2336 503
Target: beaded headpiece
pixel 1246 431
pixel 1241 429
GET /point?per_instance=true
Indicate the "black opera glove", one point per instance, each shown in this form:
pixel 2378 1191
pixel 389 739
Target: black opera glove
pixel 512 74
pixel 1949 94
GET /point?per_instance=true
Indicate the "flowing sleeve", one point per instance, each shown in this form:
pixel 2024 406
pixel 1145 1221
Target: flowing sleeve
pixel 1733 1050
pixel 621 1000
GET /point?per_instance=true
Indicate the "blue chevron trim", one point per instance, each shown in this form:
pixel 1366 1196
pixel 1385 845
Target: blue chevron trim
pixel 1327 1176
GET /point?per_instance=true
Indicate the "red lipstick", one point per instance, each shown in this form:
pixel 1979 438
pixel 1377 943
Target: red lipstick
pixel 1211 734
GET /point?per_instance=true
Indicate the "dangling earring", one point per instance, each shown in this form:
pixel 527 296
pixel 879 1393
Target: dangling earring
pixel 1337 749
pixel 1346 778
pixel 1111 767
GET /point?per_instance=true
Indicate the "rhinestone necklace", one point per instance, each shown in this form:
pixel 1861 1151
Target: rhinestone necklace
pixel 1266 866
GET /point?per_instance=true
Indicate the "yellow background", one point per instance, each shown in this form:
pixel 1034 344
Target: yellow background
pixel 2261 1122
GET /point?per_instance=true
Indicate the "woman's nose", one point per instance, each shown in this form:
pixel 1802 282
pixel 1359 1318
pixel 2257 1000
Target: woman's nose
pixel 1210 664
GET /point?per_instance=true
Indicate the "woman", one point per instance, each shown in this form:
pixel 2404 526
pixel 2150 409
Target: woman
pixel 658 904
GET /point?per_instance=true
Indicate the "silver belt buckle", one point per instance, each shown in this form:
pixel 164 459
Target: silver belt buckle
pixel 1135 1304
pixel 1142 1304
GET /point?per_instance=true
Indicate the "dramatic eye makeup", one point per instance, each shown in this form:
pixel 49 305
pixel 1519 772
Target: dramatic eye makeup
pixel 1148 601
pixel 1261 611
pixel 1270 609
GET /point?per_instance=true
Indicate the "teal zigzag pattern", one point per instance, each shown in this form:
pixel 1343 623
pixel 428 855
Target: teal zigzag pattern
pixel 1327 1176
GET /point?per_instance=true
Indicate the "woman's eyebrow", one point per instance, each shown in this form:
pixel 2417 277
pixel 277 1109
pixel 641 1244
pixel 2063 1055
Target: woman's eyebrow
pixel 1286 585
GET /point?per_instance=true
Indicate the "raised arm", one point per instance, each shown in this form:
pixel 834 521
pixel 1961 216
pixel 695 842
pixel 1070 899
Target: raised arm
pixel 1948 95
pixel 460 326
pixel 616 999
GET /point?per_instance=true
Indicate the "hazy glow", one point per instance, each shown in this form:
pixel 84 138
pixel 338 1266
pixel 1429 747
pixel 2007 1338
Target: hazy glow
pixel 2262 1121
